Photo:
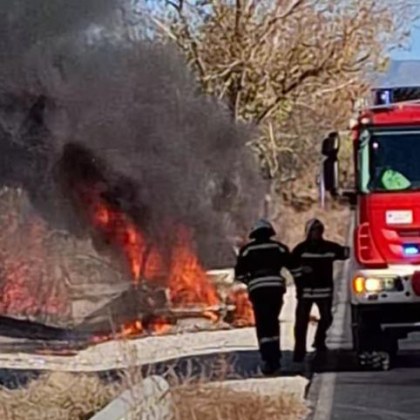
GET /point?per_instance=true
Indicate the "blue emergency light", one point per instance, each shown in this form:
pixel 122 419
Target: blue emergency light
pixel 411 250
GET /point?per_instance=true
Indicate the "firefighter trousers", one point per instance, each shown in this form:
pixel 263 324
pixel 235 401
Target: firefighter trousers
pixel 267 303
pixel 303 311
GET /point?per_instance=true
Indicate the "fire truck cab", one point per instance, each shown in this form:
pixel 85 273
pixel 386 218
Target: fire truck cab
pixel 384 283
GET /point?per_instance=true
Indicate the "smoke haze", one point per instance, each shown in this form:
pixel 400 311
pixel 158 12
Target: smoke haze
pixel 168 154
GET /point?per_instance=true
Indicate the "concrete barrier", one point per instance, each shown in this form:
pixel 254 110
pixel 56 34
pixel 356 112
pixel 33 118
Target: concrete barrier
pixel 149 400
pixel 293 386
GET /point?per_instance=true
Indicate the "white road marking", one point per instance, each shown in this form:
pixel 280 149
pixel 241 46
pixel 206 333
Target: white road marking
pixel 325 398
pixel 324 403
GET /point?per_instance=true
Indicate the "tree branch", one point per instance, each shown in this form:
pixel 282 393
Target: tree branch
pixel 303 76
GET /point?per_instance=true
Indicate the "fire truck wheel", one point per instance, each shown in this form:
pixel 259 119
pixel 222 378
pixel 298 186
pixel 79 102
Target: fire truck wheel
pixel 375 348
pixel 369 357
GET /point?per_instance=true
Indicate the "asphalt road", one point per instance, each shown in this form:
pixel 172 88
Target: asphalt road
pixel 339 390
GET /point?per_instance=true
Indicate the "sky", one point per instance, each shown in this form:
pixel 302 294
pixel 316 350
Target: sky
pixel 413 53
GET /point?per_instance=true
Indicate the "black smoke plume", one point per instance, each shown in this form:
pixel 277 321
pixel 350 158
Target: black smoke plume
pixel 125 112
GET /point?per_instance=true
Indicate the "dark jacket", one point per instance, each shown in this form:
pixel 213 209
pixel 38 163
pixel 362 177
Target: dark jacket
pixel 259 264
pixel 316 258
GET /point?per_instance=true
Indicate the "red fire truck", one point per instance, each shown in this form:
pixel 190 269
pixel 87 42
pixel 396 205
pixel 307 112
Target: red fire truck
pixel 384 281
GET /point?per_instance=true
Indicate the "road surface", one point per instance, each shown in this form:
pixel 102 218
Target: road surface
pixel 339 390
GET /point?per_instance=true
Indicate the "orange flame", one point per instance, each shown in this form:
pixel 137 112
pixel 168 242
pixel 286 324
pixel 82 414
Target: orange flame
pixel 243 315
pixel 188 281
pixel 186 278
pixel 119 229
pixel 26 268
pixel 160 326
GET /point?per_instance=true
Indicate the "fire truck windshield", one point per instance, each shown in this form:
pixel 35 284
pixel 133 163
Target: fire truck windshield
pixel 389 160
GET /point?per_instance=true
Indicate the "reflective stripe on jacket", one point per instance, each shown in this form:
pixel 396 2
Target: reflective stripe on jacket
pixel 259 264
pixel 316 259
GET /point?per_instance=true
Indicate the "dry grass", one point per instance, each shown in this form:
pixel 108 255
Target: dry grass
pixel 64 396
pixel 67 396
pixel 203 402
pixel 57 396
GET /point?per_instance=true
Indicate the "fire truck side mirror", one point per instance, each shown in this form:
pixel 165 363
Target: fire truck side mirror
pixel 331 145
pixel 330 175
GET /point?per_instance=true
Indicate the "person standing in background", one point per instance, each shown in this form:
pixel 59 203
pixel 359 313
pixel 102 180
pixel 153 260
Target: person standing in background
pixel 315 285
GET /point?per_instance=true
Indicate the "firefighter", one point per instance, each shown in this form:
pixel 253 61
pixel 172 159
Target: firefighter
pixel 314 284
pixel 258 266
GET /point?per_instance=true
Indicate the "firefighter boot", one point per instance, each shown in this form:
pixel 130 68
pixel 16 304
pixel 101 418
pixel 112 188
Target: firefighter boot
pixel 270 369
pixel 299 357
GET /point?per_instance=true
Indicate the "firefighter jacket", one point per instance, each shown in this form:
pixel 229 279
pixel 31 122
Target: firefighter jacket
pixel 259 264
pixel 316 258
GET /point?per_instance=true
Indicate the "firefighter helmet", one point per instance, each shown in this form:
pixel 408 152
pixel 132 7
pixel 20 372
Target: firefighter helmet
pixel 313 224
pixel 262 227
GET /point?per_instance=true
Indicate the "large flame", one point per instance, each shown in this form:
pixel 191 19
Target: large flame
pixel 116 227
pixel 32 286
pixel 185 277
pixel 188 282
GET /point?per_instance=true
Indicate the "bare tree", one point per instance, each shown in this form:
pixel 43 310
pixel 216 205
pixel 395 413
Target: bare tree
pixel 287 66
